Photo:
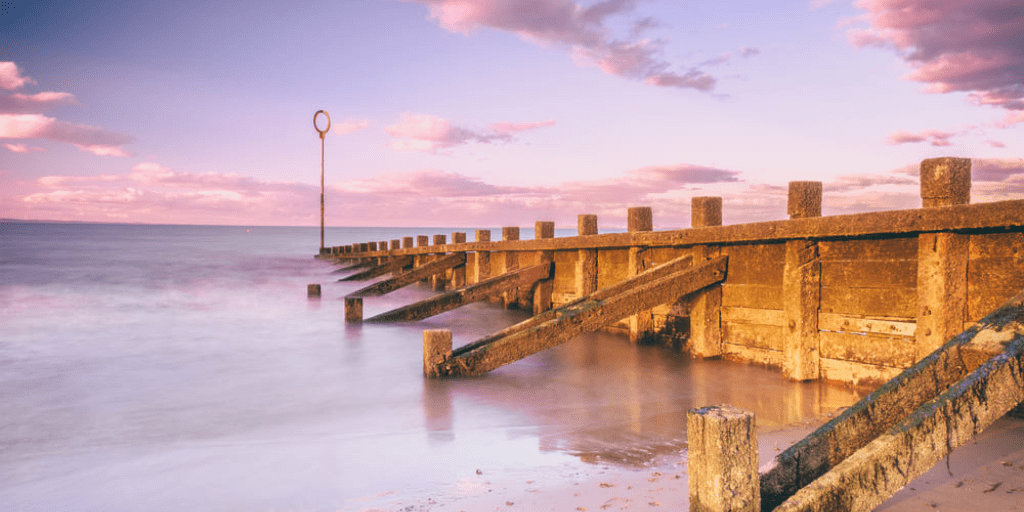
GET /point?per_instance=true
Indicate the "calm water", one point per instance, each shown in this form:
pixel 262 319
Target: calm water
pixel 183 368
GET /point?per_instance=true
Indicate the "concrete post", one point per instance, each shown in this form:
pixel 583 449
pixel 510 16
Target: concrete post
pixel 353 310
pixel 458 274
pixel 438 281
pixel 543 290
pixel 639 219
pixel 437 348
pixel 942 257
pixel 706 306
pixel 801 289
pixel 481 259
pixel 510 262
pixel 723 459
pixel 586 260
pixel 313 291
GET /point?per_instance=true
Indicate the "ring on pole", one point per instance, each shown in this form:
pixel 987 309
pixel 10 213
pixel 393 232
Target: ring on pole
pixel 315 127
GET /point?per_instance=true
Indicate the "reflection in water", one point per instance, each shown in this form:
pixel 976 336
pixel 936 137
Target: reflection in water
pixel 607 401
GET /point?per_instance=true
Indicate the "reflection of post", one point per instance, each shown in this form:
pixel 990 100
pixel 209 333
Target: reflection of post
pixel 437 410
pixel 723 459
pixel 641 325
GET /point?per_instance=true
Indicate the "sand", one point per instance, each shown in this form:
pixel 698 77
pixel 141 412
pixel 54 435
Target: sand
pixel 987 474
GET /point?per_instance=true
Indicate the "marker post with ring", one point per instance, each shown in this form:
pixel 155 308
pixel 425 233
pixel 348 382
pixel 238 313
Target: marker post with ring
pixel 322 133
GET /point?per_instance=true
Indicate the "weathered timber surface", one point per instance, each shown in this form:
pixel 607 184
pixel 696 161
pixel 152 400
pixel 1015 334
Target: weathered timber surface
pixel 852 430
pixel 612 267
pixel 760 264
pixel 997 245
pixel 466 295
pixel 394 265
pixel 928 434
pixel 754 335
pixel 893 326
pixel 898 248
pixel 722 443
pixel 869 274
pixel 415 275
pixel 649 276
pixel 861 375
pixel 894 351
pixel 800 300
pixel 753 316
pixel 585 316
pixel 900 302
pixel 1000 215
pixel 752 296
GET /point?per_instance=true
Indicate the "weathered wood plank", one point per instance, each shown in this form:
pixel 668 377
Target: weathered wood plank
pixel 894 351
pixel 565 276
pixel 997 245
pixel 996 216
pixel 900 302
pixel 584 317
pixel 875 249
pixel 801 289
pixel 892 326
pixel 752 354
pixel 611 267
pixel 753 316
pixel 466 295
pixel 941 288
pixel 860 375
pixel 394 265
pixel 995 274
pixel 833 442
pixel 756 264
pixel 752 296
pixel 417 274
pixel 869 273
pixel 753 335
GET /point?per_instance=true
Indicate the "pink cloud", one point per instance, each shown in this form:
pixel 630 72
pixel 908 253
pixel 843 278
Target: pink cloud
pixel 432 134
pixel 350 126
pixel 935 137
pixel 11 77
pixel 87 138
pixel 21 103
pixel 974 46
pixel 582 30
pixel 20 148
pixel 995 143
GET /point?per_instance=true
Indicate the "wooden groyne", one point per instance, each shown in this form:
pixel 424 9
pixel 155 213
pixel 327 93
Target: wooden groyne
pixel 851 298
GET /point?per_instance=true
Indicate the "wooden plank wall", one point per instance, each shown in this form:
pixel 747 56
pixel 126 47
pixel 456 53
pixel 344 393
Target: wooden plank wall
pixel 868 309
pixel 995 272
pixel 752 303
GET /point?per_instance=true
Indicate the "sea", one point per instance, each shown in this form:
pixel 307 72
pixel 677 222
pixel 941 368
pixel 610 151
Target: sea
pixel 170 368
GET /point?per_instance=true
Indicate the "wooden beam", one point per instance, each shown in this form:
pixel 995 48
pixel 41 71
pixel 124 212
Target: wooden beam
pixel 466 295
pixel 394 265
pixel 582 317
pixel 991 217
pixel 412 276
pixel 852 430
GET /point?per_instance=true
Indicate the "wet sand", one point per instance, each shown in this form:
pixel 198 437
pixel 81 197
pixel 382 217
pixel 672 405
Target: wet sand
pixel 987 474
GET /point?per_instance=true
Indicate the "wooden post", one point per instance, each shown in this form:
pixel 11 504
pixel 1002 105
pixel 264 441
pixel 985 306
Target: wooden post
pixel 372 246
pixel 353 310
pixel 801 289
pixel 313 291
pixel 458 279
pixel 723 458
pixel 510 262
pixel 396 245
pixel 437 348
pixel 482 259
pixel 942 257
pixel 586 260
pixel 407 242
pixel 421 259
pixel 543 290
pixel 639 219
pixel 437 281
pixel 706 306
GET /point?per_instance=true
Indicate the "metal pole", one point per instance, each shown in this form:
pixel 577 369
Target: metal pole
pixel 322 133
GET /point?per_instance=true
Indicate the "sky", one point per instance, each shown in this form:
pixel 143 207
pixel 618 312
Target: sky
pixel 498 112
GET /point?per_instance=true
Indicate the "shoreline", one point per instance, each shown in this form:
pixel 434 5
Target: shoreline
pixel 987 474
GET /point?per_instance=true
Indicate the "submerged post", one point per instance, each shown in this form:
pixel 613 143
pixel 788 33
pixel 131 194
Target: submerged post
pixel 723 457
pixel 353 310
pixel 323 133
pixel 313 291
pixel 437 348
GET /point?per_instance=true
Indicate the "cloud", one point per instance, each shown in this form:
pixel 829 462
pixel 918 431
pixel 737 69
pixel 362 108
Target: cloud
pixel 432 134
pixel 582 30
pixel 87 138
pixel 11 77
pixel 350 126
pixel 935 137
pixel 995 143
pixel 21 103
pixel 20 148
pixel 974 46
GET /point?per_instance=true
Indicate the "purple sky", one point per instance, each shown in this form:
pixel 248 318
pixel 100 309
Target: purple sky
pixel 498 112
